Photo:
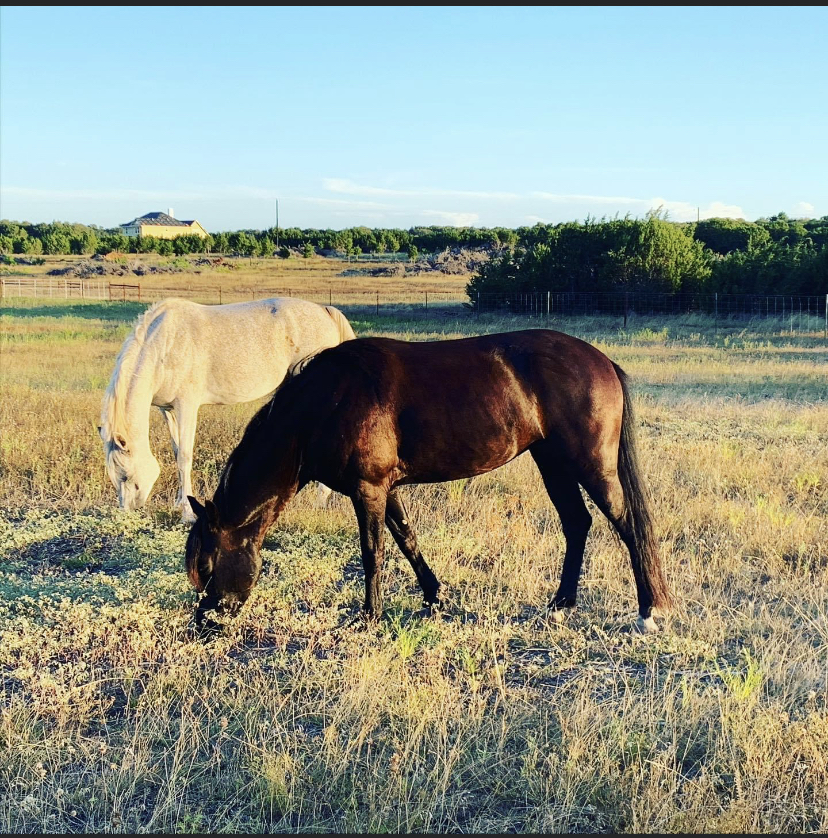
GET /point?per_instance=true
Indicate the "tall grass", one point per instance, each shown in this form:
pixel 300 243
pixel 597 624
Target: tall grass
pixel 489 718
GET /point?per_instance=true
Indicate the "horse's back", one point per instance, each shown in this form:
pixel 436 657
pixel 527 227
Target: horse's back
pixel 462 407
pixel 239 351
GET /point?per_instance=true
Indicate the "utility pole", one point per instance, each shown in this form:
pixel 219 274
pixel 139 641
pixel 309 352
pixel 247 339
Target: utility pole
pixel 277 224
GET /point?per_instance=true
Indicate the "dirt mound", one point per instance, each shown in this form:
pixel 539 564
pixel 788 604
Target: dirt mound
pixel 453 261
pixel 88 268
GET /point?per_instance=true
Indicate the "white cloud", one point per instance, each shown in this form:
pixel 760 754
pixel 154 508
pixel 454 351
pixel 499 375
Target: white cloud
pixel 803 210
pixel 340 204
pixel 682 211
pixel 351 188
pixel 454 219
pixel 676 210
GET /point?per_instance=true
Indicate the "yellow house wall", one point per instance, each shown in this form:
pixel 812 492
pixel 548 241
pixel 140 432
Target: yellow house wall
pixel 159 232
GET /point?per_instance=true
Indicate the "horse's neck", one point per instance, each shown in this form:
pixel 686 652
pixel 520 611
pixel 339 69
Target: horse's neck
pixel 254 488
pixel 134 393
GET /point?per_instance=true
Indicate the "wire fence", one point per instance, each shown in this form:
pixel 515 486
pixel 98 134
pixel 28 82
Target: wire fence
pixel 795 312
pixel 97 288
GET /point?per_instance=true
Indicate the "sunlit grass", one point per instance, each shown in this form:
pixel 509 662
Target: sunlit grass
pixel 487 718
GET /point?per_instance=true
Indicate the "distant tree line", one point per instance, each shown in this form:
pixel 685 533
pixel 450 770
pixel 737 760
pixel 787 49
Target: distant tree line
pixel 60 238
pixel 775 255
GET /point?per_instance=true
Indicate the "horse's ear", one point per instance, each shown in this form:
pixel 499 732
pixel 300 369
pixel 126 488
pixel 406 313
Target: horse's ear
pixel 197 507
pixel 207 510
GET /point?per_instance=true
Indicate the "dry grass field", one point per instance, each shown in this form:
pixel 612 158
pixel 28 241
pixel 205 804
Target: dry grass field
pixel 488 718
pixel 239 278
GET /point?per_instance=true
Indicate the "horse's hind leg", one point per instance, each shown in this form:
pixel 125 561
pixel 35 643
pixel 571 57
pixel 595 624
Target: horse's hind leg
pixel 607 492
pixel 565 494
pixel 323 494
pixel 172 427
pixel 396 517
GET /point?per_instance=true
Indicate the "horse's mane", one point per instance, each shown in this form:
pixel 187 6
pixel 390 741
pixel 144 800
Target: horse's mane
pixel 258 436
pixel 113 415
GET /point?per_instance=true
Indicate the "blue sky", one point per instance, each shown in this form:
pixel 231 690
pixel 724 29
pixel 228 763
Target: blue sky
pixel 393 117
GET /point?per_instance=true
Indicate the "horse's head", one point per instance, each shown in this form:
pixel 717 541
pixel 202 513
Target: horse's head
pixel 133 476
pixel 221 563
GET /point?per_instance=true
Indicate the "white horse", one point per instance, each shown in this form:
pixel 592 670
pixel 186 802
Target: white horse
pixel 181 355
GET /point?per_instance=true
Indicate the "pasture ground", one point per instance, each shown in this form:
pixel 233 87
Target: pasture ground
pixel 321 279
pixel 489 718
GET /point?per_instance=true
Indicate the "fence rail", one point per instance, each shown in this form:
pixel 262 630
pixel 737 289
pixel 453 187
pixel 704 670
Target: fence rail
pixel 805 311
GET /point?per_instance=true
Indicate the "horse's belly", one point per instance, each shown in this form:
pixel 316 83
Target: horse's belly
pixel 432 452
pixel 243 382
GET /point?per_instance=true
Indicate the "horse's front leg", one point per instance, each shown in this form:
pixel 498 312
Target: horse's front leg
pixel 186 414
pixel 369 504
pixel 398 521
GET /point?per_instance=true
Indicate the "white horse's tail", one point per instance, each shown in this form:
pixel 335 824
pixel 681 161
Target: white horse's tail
pixel 345 330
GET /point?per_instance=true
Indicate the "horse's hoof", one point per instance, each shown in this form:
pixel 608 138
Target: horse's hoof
pixel 646 625
pixel 558 616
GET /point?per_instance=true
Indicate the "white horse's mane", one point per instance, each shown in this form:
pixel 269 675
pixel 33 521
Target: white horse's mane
pixel 113 416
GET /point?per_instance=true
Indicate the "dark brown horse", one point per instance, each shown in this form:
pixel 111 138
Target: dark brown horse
pixel 373 414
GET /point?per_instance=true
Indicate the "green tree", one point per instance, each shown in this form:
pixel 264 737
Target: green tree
pixel 724 235
pixel 243 243
pixel 55 243
pixel 83 242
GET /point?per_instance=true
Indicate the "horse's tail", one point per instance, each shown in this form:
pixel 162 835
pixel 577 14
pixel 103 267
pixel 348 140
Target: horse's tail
pixel 637 505
pixel 346 332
